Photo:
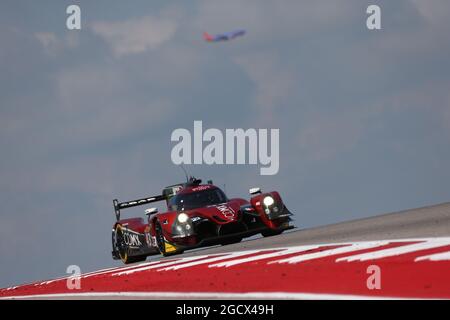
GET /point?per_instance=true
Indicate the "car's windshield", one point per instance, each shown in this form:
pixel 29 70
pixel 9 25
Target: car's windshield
pixel 188 201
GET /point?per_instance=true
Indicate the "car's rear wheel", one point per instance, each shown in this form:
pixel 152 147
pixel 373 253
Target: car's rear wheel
pixel 161 241
pixel 122 248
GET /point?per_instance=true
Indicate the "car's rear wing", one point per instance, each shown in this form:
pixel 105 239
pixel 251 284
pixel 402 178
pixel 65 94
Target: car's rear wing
pixel 134 203
pixel 167 193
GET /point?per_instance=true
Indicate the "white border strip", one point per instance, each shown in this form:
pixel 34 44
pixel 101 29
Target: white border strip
pixel 204 295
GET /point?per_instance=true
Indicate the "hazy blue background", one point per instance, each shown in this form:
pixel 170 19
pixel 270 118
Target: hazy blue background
pixel 86 116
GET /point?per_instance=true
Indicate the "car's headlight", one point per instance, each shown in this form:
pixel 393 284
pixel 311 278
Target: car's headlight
pixel 268 201
pixel 182 218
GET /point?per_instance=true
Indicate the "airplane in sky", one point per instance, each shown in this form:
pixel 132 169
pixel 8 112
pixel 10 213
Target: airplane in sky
pixel 223 36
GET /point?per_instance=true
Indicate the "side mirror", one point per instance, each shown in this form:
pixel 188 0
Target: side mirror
pixel 254 191
pixel 150 211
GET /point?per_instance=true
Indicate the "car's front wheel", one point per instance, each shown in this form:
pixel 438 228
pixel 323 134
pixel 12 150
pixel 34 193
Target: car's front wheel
pixel 161 242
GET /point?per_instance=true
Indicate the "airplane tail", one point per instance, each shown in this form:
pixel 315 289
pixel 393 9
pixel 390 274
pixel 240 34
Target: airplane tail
pixel 207 36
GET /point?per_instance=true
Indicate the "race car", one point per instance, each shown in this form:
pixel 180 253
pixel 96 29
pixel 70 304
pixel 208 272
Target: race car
pixel 197 215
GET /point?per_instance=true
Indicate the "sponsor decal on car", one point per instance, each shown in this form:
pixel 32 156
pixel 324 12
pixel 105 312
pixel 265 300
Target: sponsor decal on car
pixel 226 211
pixel 131 239
pixel 201 188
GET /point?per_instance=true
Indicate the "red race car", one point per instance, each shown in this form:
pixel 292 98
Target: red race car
pixel 197 215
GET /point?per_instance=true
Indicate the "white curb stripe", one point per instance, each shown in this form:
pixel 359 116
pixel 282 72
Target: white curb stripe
pixel 443 256
pixel 283 252
pixel 380 254
pixel 331 252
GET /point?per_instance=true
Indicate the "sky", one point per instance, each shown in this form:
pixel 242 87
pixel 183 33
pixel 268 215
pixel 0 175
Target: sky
pixel 86 115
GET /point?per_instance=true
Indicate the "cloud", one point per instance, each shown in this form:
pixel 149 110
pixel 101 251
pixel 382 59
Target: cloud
pixel 52 44
pixel 433 11
pixel 136 36
pixel 423 109
pixel 272 79
pixel 47 39
pixel 431 99
pixel 327 135
pixel 99 104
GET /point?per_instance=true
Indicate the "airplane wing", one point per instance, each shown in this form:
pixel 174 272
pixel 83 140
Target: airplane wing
pixel 237 33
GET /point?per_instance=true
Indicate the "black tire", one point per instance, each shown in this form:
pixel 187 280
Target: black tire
pixel 271 233
pixel 122 248
pixel 230 241
pixel 134 259
pixel 160 241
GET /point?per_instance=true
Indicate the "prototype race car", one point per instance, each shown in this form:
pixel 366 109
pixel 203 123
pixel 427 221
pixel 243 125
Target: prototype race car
pixel 197 215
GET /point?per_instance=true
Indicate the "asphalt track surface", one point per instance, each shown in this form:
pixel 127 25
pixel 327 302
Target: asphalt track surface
pixel 430 221
pixel 426 222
